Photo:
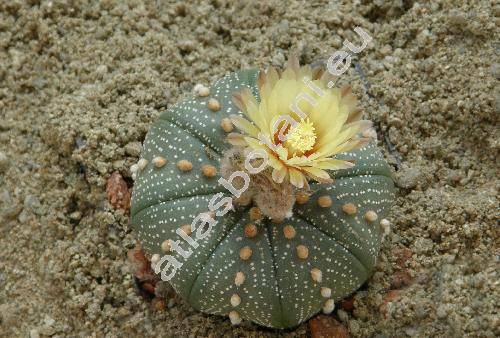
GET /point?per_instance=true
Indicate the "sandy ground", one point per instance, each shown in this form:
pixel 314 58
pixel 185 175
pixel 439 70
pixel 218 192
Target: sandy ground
pixel 80 84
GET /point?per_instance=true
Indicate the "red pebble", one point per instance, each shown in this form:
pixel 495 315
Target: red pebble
pixel 118 192
pixel 327 327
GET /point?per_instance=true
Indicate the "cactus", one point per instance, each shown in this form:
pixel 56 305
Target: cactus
pixel 249 266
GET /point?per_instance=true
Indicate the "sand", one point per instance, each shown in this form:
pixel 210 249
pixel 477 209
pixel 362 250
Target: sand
pixel 81 83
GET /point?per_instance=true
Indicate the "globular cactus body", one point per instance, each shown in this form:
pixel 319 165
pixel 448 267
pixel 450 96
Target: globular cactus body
pixel 276 275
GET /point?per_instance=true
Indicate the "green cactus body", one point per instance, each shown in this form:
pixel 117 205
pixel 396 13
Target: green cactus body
pixel 278 289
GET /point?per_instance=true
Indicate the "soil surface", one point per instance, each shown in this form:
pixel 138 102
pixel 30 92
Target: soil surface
pixel 81 83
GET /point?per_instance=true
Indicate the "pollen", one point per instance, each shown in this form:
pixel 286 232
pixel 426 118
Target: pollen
pixel 302 137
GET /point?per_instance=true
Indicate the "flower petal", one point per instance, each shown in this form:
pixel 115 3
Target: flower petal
pixel 244 125
pixel 318 174
pixel 332 164
pixel 352 145
pixel 296 178
pixel 279 175
pixel 236 139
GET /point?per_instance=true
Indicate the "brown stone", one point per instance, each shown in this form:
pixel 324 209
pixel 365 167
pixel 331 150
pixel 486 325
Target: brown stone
pixel 347 304
pixel 327 327
pixel 402 255
pixel 400 279
pixel 148 287
pixel 390 296
pixel 118 192
pixel 139 265
pixel 159 304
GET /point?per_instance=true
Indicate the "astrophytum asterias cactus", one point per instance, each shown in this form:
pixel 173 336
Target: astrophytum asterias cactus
pixel 277 273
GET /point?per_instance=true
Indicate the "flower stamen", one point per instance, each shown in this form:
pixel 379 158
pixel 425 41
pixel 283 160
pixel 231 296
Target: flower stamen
pixel 302 136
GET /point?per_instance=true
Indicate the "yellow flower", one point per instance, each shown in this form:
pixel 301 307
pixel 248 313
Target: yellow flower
pixel 300 123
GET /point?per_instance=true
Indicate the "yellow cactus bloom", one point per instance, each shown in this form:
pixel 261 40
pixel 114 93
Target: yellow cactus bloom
pixel 300 123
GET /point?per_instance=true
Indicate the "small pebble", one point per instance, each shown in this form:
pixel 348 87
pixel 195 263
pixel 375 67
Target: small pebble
pixel 133 148
pixel 142 163
pixel 4 162
pixel 386 226
pixel 201 90
pixel 158 304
